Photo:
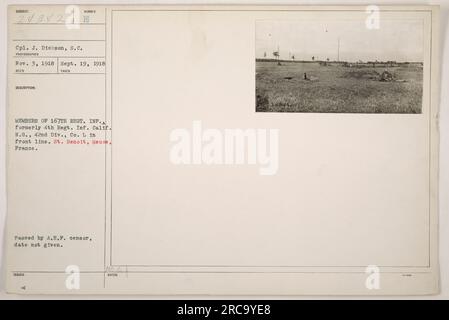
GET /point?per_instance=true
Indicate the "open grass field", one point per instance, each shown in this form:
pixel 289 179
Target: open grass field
pixel 336 88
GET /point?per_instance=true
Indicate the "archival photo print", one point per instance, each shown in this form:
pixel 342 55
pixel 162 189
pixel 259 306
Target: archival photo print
pixel 339 66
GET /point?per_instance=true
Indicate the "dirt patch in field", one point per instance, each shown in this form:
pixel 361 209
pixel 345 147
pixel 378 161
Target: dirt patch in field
pixel 361 74
pixel 386 76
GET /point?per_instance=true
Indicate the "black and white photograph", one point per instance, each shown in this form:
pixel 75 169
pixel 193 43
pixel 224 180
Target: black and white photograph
pixel 345 66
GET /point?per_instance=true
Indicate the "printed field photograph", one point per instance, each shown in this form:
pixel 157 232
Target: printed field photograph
pixel 339 66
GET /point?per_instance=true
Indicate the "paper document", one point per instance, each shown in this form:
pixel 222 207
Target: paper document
pixel 223 150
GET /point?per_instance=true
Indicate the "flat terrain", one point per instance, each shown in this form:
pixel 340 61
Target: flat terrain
pixel 336 88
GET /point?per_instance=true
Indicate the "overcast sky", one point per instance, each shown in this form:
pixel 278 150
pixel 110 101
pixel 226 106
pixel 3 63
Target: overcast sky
pixel 397 40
